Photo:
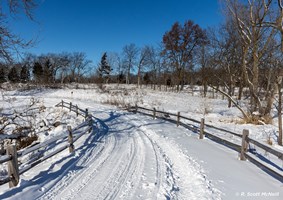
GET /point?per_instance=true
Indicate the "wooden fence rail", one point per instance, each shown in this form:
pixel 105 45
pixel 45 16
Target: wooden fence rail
pixel 73 108
pixel 242 146
pixel 14 171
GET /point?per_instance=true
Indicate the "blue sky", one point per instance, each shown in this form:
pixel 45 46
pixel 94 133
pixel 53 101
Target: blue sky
pixel 96 26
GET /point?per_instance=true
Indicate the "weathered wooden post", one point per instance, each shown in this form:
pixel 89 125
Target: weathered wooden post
pixel 245 144
pixel 77 110
pixel 70 139
pixel 90 123
pixel 201 131
pixel 86 113
pixel 154 113
pixel 178 119
pixel 62 104
pixel 70 106
pixel 13 168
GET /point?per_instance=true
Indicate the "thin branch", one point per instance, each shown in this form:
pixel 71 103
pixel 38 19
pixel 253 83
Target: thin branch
pixel 232 100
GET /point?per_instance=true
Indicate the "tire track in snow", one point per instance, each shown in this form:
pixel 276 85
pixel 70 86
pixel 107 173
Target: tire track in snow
pixel 96 156
pixel 129 178
pixel 156 183
pixel 163 169
pixel 112 176
pixel 119 170
pixel 184 176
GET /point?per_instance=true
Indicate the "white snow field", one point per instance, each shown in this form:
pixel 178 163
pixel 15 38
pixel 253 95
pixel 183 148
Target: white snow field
pixel 138 157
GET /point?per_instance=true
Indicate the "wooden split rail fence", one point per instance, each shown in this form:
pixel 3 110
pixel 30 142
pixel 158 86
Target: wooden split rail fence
pixel 243 145
pixel 63 141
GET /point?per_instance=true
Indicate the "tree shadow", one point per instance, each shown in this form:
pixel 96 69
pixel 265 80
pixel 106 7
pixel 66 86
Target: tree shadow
pixel 51 174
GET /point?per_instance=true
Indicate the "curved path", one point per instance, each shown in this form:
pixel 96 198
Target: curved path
pixel 141 158
pixel 128 163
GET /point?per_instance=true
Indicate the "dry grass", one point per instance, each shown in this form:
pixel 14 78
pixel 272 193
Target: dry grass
pixel 269 141
pixel 25 142
pixel 256 120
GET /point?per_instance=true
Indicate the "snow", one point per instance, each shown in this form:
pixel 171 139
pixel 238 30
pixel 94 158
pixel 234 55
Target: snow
pixel 138 157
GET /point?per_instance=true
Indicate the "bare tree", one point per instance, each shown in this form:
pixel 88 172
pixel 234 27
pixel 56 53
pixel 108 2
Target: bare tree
pixel 115 61
pixel 11 43
pixel 255 40
pixel 154 62
pixel 63 61
pixel 277 24
pixel 130 53
pixel 143 60
pixel 179 44
pixel 78 66
pixel 225 58
pixel 277 21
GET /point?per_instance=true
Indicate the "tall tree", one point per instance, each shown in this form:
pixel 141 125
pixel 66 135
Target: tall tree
pixel 13 75
pixel 130 53
pixel 3 74
pixel 143 60
pixel 277 24
pixel 48 71
pixel 179 44
pixel 254 40
pixel 104 68
pixel 115 61
pixel 225 58
pixel 157 65
pixel 24 74
pixel 37 72
pixel 79 65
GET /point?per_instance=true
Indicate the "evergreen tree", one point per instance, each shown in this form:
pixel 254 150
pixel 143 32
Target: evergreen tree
pixel 13 75
pixel 3 76
pixel 48 71
pixel 121 77
pixel 104 68
pixel 24 75
pixel 37 71
pixel 146 78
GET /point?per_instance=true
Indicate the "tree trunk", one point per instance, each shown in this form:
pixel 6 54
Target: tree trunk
pixel 128 76
pixel 204 88
pixel 255 77
pixel 230 91
pixel 280 113
pixel 139 77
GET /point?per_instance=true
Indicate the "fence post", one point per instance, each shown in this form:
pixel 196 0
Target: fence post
pixel 77 110
pixel 90 123
pixel 178 118
pixel 70 106
pixel 13 168
pixel 154 113
pixel 201 131
pixel 70 139
pixel 62 104
pixel 86 113
pixel 245 144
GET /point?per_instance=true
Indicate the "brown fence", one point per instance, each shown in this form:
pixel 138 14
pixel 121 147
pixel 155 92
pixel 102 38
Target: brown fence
pixel 63 141
pixel 242 146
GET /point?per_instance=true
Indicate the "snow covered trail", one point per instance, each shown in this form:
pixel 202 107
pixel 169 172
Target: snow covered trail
pixel 134 166
pixel 142 158
pixel 127 163
pixel 220 166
